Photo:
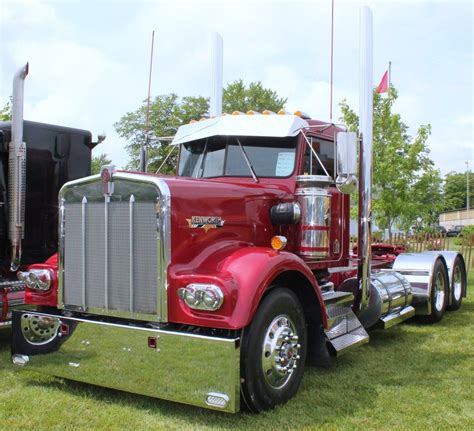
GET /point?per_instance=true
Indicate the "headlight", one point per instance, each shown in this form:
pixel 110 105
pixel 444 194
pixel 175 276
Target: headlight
pixel 202 296
pixel 36 279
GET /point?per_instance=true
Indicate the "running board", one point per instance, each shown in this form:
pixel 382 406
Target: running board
pixel 344 328
pixel 393 319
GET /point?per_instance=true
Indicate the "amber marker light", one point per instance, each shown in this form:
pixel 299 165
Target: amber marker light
pixel 302 114
pixel 278 242
pixel 268 112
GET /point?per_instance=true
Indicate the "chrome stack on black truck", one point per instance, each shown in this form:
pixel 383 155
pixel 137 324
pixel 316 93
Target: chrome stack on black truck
pixel 36 159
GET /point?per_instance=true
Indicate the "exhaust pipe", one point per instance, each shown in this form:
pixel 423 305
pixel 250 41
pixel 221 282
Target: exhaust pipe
pixel 217 63
pixel 365 158
pixel 17 171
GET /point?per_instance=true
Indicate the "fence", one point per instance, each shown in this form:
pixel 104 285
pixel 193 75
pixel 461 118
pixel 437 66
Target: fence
pixel 418 243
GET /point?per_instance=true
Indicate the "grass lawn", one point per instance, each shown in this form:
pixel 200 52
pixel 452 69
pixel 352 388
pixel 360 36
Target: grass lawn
pixel 411 376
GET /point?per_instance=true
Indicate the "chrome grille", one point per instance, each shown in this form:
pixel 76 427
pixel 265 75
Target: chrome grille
pixel 112 254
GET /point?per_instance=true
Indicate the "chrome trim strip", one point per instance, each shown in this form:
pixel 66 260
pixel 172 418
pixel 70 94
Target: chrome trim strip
pixel 130 227
pixel 61 252
pixel 106 251
pixel 83 254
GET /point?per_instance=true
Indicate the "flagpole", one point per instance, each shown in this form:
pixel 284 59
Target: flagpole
pixel 389 77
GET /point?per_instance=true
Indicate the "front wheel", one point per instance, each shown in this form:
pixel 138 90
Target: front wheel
pixel 273 351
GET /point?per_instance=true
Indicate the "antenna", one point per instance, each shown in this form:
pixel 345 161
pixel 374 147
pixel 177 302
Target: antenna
pixel 332 59
pixel 144 147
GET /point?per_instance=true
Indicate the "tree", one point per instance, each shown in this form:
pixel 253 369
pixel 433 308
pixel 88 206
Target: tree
pixel 99 161
pixel 238 97
pixel 454 191
pixel 405 183
pixel 168 112
pixel 6 112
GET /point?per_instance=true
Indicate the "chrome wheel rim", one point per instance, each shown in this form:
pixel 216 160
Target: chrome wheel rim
pixel 457 283
pixel 440 290
pixel 39 330
pixel 280 351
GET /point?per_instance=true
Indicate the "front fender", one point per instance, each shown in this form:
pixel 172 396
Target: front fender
pixel 244 275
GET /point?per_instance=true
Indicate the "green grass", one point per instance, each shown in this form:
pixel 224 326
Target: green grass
pixel 411 376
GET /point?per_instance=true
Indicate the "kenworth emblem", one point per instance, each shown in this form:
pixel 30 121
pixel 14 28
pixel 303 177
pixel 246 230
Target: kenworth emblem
pixel 106 177
pixel 206 222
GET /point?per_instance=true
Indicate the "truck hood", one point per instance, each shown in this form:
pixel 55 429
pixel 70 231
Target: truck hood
pixel 211 215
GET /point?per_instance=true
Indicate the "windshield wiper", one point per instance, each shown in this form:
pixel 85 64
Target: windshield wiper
pixel 248 161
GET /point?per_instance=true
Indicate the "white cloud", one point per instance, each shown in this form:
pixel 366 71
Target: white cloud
pixel 89 67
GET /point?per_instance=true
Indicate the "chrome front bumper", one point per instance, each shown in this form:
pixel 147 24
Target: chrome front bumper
pixel 177 366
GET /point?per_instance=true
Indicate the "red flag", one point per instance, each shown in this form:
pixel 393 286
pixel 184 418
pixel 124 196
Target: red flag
pixel 383 86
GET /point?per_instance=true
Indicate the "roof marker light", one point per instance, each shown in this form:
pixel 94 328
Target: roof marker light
pixel 237 113
pixel 284 112
pixel 253 113
pixel 192 122
pixel 302 115
pixel 268 112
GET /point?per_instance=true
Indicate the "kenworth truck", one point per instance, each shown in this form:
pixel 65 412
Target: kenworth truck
pixel 217 286
pixel 36 159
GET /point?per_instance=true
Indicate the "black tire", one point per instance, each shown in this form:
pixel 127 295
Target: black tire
pixel 439 294
pixel 459 284
pixel 264 384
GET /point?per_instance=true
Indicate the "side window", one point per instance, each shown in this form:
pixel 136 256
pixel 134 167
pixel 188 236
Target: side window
pixel 325 151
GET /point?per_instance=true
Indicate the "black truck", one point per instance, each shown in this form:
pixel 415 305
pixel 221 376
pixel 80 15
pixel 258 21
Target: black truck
pixel 36 159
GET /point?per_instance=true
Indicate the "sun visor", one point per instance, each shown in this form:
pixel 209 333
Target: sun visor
pixel 277 126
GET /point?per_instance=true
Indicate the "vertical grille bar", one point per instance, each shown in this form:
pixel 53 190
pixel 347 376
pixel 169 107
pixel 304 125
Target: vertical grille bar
pixel 132 201
pixel 83 233
pixel 106 252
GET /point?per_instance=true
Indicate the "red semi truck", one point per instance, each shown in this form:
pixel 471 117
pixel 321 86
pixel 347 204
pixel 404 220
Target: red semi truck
pixel 215 287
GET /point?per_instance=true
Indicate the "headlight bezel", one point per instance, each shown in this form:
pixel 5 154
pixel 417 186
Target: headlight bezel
pixel 39 280
pixel 202 296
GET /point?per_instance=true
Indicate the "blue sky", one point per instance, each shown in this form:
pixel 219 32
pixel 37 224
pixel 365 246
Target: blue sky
pixel 89 59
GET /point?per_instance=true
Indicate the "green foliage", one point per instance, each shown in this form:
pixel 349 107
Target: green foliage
pixel 99 161
pixel 406 184
pixel 454 191
pixel 466 236
pixel 410 377
pixel 168 112
pixel 6 111
pixel 238 97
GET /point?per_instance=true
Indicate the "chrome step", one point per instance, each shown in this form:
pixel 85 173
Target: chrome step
pixel 399 316
pixel 339 298
pixel 347 341
pixel 344 328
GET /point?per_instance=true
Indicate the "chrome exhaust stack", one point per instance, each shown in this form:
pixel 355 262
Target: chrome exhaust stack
pixel 365 156
pixel 17 171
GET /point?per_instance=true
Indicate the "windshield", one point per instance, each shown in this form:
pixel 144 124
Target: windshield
pixel 222 156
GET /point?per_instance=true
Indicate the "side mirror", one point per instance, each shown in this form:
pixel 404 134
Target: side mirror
pixel 346 162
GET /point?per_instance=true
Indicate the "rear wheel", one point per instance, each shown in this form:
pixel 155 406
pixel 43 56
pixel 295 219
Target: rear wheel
pixel 273 351
pixel 439 294
pixel 459 284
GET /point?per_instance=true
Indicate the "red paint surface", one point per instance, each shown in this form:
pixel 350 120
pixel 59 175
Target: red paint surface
pixel 237 257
